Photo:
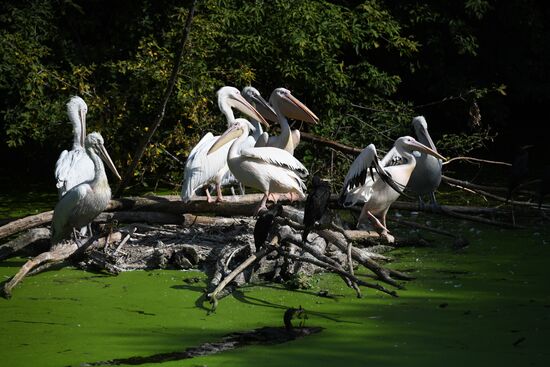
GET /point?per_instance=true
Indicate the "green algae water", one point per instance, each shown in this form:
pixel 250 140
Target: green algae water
pixel 486 304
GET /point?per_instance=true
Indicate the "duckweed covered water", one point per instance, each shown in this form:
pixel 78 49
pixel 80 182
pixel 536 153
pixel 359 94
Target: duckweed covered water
pixel 487 304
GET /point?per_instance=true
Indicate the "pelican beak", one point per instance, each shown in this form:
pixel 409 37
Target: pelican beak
pixel 264 108
pixel 108 161
pixel 233 132
pixel 82 127
pixel 293 108
pixel 428 138
pixel 242 105
pixel 422 148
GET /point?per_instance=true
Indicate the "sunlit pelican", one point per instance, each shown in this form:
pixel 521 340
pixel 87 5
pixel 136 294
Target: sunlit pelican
pixel 286 105
pixel 74 167
pixel 202 169
pixel 82 203
pixel 268 169
pixel 376 190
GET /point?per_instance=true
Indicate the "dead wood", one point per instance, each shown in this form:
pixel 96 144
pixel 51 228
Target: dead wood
pixel 384 274
pixel 257 256
pixel 477 188
pixel 17 244
pixel 56 254
pixel 22 224
pixel 330 143
pixel 329 267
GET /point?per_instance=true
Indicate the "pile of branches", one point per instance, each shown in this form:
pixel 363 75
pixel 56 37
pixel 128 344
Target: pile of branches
pixel 162 234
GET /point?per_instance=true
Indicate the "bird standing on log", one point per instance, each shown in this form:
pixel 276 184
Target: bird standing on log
pixel 316 204
pixel 270 170
pixel 202 168
pixel 379 190
pixel 263 225
pixel 519 171
pixel 82 203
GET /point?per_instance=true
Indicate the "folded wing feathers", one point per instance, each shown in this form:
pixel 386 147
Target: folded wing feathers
pixel 278 157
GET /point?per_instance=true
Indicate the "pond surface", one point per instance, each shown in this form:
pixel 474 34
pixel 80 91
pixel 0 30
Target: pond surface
pixel 487 304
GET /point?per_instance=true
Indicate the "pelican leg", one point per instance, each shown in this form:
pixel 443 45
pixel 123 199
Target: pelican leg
pixel 262 206
pixel 421 204
pixel 219 196
pixel 241 187
pixel 208 196
pixel 434 205
pixel 380 227
pixel 274 197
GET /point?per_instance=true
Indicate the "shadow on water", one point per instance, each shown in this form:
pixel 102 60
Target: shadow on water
pixel 262 336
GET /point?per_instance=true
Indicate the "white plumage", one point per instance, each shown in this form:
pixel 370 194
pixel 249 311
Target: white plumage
pixel 379 190
pixel 286 105
pixel 268 169
pixel 85 201
pixel 74 166
pixel 202 169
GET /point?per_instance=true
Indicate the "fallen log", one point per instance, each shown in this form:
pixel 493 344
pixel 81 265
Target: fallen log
pixel 22 224
pixel 17 244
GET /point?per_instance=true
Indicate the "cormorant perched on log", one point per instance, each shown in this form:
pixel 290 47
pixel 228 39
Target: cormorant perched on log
pixel 316 204
pixel 264 223
pixel 519 170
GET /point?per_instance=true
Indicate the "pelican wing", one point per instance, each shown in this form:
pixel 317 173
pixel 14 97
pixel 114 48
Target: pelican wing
pixel 392 158
pixel 201 168
pixel 276 156
pixel 72 168
pixel 208 137
pixel 358 171
pixel 66 208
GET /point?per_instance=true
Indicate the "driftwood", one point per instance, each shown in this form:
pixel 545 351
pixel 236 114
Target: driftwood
pixel 17 244
pixel 23 224
pixel 483 191
pixel 240 205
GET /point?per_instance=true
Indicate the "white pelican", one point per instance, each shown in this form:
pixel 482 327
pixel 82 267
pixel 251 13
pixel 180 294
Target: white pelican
pixel 377 191
pixel 202 169
pixel 82 203
pixel 268 169
pixel 286 105
pixel 74 167
pixel 426 175
pixel 258 137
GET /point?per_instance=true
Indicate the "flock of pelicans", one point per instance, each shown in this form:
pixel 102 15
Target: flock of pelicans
pixel 245 153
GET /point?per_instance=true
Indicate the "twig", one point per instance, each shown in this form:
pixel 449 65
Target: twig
pixel 337 270
pixel 475 160
pixel 212 296
pixel 126 238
